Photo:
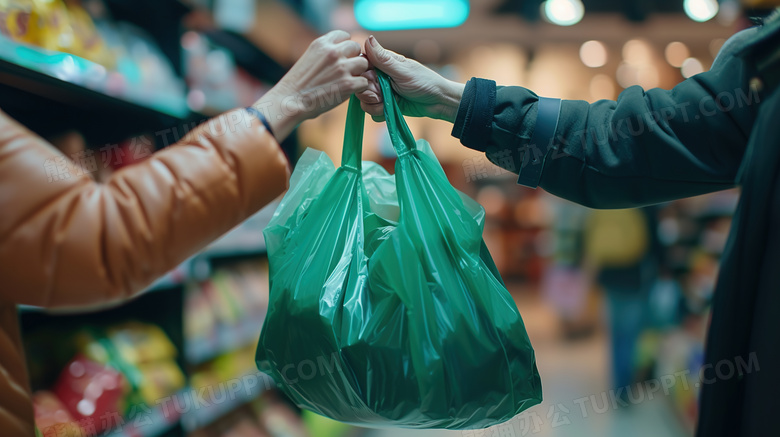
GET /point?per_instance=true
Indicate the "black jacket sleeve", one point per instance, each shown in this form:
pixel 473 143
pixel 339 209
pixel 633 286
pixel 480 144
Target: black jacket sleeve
pixel 646 147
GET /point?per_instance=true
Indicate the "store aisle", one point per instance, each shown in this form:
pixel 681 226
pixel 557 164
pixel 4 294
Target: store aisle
pixel 575 379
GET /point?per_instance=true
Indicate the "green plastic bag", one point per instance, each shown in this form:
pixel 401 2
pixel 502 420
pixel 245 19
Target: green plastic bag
pixel 386 308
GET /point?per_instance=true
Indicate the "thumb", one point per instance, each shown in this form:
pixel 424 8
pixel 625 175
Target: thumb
pixel 381 58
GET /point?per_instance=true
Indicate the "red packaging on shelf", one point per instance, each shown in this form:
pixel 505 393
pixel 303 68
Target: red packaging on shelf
pixel 92 393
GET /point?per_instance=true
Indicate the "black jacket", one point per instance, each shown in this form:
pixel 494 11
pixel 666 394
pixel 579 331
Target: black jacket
pixel 713 131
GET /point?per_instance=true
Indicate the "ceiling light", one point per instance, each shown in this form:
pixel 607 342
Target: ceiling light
pixel 700 10
pixel 564 12
pixel 410 14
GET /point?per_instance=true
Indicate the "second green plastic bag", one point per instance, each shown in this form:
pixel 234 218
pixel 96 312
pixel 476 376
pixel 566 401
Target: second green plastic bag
pixel 386 308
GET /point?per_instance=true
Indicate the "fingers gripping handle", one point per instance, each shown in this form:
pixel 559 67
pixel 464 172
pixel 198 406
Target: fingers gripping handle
pixel 400 135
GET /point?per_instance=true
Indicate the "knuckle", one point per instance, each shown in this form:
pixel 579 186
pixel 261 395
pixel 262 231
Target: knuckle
pixel 342 70
pixel 331 54
pixel 344 84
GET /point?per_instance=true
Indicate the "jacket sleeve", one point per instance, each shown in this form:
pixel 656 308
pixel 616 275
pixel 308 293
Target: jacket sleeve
pixel 66 240
pixel 646 147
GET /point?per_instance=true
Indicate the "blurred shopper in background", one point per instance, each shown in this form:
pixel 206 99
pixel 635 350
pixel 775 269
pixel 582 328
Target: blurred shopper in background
pixel 621 251
pixel 77 242
pixel 713 131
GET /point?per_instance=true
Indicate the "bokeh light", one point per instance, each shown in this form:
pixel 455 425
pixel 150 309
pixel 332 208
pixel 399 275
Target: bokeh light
pixel 637 52
pixel 676 53
pixel 627 75
pixel 647 76
pixel 691 67
pixel 700 10
pixel 564 12
pixel 593 54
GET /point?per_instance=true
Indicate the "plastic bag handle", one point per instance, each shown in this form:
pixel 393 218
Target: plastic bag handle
pixel 400 135
pixel 352 151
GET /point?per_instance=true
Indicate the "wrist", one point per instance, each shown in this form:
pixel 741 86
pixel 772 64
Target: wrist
pixel 450 96
pixel 282 110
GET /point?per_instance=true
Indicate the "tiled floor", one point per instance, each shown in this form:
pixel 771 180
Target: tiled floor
pixel 574 377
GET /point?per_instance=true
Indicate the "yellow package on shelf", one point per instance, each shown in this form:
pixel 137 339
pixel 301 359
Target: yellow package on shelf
pixel 53 26
pixel 87 41
pixel 20 20
pixel 160 379
pixel 139 343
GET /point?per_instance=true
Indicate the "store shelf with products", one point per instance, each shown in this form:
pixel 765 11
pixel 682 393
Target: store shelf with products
pixel 264 415
pixel 174 278
pixel 197 419
pixel 226 339
pixel 110 73
pixel 244 240
pixel 214 322
pixel 212 355
pixel 111 77
pixel 106 372
pixel 222 385
pixel 225 312
pixel 232 278
pixel 50 91
pixel 156 421
pixel 248 56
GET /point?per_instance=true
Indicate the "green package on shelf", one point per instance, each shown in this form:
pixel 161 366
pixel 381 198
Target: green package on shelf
pixel 386 308
pixel 62 65
pixel 92 76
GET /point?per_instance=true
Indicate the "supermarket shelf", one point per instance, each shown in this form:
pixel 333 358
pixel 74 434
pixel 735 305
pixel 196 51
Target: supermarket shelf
pixel 226 340
pixel 198 418
pixel 248 56
pixel 244 240
pixel 234 251
pixel 174 278
pixel 51 99
pixel 157 423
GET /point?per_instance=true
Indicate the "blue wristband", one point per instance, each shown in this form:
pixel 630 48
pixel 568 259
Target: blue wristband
pixel 252 110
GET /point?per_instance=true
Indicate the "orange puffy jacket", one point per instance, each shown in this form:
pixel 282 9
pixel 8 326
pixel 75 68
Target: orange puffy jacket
pixel 75 242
